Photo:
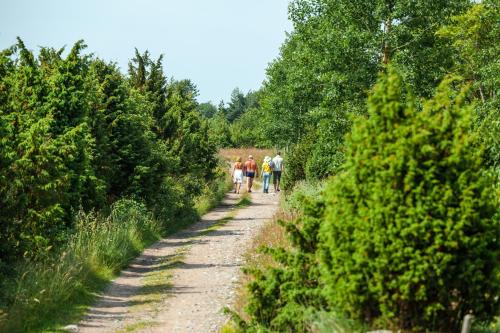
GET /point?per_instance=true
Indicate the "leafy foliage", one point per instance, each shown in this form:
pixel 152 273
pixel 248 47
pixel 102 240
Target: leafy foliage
pixel 404 237
pixel 239 104
pixel 240 124
pixel 77 134
pixel 283 297
pixel 219 130
pixel 407 231
pixel 411 229
pixel 207 110
pixel 474 36
pixel 250 131
pixel 331 59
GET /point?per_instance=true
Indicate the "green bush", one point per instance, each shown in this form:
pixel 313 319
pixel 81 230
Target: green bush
pixel 303 191
pixel 296 161
pixel 219 131
pixel 214 192
pixel 94 253
pixel 283 298
pixel 327 152
pixel 411 229
pixel 250 131
pixel 78 134
pixel 320 152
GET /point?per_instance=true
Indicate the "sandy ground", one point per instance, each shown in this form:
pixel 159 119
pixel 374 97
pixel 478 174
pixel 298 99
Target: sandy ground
pixel 183 282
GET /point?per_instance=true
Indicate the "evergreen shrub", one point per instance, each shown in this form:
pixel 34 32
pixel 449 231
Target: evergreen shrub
pixel 284 297
pixel 296 160
pixel 327 152
pixel 410 237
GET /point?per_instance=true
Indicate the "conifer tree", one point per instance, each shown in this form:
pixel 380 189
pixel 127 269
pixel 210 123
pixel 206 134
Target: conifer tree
pixel 410 237
pixel 43 164
pixel 77 134
pixel 219 130
pixel 188 133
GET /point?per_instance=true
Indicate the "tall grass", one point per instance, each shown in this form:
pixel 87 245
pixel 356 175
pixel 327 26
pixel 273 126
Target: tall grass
pixel 42 295
pixel 57 289
pixel 292 203
pixel 330 322
pixel 214 192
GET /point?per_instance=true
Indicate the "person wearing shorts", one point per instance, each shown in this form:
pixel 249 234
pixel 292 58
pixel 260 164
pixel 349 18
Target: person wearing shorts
pixel 237 175
pixel 251 171
pixel 277 170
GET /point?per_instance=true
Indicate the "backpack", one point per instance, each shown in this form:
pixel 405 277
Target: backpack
pixel 270 166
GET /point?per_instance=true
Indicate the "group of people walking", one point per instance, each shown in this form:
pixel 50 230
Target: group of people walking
pixel 271 167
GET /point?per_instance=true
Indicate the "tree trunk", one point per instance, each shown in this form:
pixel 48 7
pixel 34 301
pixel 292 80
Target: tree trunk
pixel 387 49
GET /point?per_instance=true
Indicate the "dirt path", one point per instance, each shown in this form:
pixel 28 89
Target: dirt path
pixel 182 283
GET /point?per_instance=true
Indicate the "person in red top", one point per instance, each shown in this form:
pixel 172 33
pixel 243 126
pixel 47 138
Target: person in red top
pixel 251 170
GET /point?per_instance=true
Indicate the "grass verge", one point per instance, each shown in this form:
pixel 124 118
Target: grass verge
pixel 213 193
pixel 271 235
pixel 56 290
pixel 44 295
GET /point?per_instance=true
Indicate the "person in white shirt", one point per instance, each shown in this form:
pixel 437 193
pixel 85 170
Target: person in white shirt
pixel 278 167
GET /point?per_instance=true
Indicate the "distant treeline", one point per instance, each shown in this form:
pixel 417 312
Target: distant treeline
pixel 237 124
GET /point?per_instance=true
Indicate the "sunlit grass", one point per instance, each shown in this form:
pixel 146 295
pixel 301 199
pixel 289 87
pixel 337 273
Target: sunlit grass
pixel 46 295
pixel 230 154
pixel 213 194
pixel 64 284
pixel 270 235
pixel 136 327
pixel 244 201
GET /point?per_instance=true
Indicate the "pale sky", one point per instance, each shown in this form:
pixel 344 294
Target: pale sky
pixel 218 44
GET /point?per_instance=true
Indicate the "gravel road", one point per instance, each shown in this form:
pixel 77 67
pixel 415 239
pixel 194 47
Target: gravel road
pixel 182 282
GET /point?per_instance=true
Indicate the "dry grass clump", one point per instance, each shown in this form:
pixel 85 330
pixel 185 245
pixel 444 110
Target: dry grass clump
pixel 271 235
pixel 231 154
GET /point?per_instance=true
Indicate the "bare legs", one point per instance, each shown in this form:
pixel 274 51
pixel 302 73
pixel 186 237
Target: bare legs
pixel 249 184
pixel 237 187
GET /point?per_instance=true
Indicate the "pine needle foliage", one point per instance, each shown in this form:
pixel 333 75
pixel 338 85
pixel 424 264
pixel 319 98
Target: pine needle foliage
pixel 283 298
pixel 411 229
pixel 76 137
